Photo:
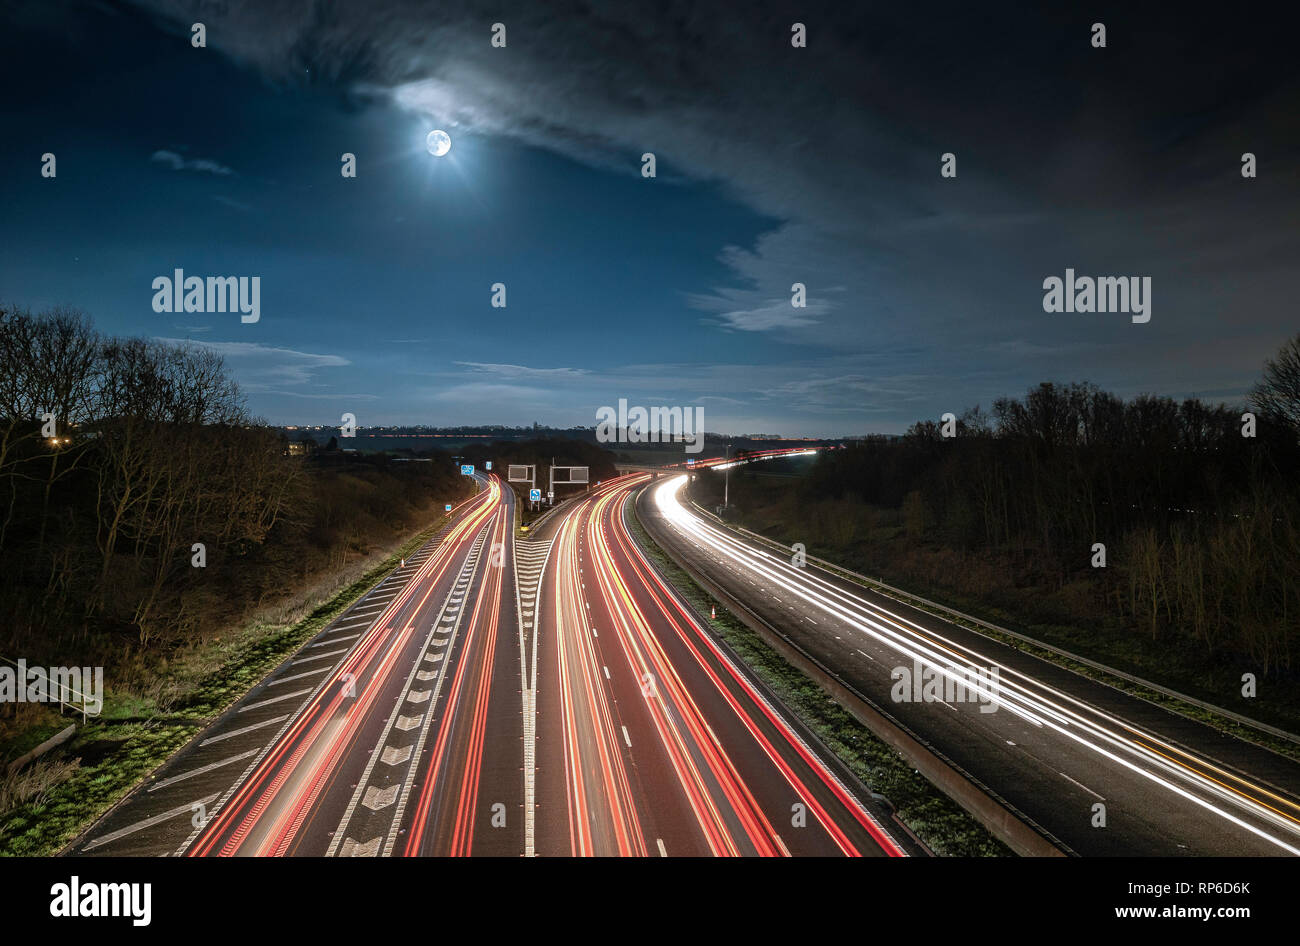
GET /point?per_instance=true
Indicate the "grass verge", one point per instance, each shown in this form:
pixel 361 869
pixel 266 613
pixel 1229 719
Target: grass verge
pixel 115 751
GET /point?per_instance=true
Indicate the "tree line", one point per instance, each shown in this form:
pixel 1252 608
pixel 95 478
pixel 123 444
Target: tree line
pixel 1197 505
pixel 142 507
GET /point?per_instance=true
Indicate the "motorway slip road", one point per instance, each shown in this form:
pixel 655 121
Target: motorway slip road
pixel 376 737
pixel 1052 745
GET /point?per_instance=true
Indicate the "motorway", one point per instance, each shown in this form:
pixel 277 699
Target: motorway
pixel 650 739
pixel 470 705
pixel 555 697
pixel 1096 771
pixel 378 737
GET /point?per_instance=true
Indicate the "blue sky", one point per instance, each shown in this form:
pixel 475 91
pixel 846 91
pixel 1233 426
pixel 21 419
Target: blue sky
pixel 924 294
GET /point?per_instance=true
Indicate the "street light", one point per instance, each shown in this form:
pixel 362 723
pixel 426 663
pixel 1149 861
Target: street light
pixel 726 477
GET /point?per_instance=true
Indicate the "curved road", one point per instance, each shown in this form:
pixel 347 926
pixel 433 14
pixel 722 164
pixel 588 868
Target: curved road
pixel 651 740
pixel 1098 771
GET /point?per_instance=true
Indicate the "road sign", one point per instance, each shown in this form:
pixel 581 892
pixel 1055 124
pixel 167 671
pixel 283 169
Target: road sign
pixel 535 495
pixel 448 507
pixel 487 464
pixel 690 462
pixel 520 473
pixel 467 469
pixel 550 494
pixel 570 474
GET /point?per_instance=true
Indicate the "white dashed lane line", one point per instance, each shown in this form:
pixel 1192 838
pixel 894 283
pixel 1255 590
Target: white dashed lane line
pixel 1081 785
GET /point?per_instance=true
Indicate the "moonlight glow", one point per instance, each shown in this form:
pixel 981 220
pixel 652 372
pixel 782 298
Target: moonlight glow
pixel 438 142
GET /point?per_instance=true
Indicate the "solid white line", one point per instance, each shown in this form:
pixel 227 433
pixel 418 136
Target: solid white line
pixel 148 822
pixel 332 653
pixel 276 699
pixel 349 626
pixel 298 676
pixel 199 771
pixel 240 732
pixel 327 643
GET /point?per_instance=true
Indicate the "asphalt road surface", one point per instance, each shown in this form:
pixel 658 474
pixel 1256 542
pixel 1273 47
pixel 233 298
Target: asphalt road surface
pixel 397 730
pixel 650 739
pixel 1053 745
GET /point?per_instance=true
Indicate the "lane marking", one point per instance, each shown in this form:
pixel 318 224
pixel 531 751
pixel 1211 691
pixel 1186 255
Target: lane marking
pixel 200 771
pixel 337 640
pixel 240 732
pixel 276 699
pixel 299 676
pixel 1082 786
pixel 148 822
pixel 332 653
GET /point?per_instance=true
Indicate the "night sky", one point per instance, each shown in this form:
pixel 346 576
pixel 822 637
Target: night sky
pixel 775 165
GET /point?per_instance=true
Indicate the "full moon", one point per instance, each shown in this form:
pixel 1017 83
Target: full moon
pixel 438 142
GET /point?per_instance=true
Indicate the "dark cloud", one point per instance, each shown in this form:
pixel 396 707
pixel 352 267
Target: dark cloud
pixel 1121 160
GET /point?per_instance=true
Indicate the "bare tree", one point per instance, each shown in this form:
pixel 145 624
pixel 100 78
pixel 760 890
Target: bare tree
pixel 1278 393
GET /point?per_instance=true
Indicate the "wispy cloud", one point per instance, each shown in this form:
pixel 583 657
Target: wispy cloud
pixel 232 203
pixel 267 369
pixel 178 162
pixel 522 372
pixel 774 315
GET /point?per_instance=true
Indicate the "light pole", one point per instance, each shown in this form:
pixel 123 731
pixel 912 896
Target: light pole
pixel 726 478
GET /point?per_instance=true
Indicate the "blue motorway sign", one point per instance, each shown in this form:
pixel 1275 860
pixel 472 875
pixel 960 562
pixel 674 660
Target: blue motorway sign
pixel 467 469
pixel 448 507
pixel 487 464
pixel 535 495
